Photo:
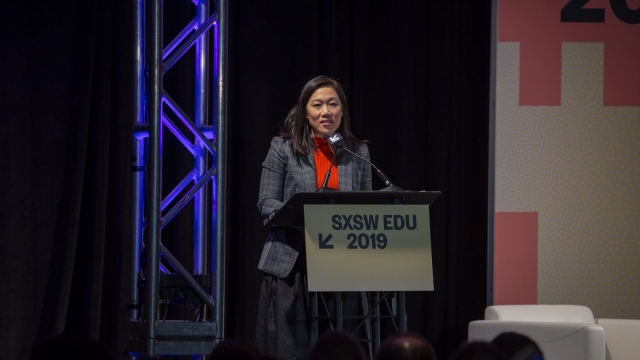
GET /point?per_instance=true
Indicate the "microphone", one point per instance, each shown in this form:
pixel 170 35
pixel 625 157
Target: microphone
pixel 336 141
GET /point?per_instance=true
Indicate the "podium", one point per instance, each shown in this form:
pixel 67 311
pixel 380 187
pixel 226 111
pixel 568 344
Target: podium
pixel 363 241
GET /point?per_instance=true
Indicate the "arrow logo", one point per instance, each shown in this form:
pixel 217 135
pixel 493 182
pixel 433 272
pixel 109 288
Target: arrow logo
pixel 324 244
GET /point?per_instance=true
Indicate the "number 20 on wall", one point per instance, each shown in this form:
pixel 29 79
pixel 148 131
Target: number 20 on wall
pixel 574 11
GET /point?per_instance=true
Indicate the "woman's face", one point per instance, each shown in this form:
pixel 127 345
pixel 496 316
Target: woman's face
pixel 324 112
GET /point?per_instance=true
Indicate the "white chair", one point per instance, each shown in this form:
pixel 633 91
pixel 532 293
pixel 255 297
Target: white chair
pixel 623 338
pixel 563 332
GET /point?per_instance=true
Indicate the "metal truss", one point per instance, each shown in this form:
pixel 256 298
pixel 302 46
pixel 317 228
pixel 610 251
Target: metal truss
pixel 203 287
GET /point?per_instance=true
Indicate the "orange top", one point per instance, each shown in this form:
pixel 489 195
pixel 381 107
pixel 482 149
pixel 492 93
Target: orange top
pixel 322 156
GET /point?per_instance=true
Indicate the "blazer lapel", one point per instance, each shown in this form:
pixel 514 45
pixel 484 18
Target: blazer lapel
pixel 310 176
pixel 344 173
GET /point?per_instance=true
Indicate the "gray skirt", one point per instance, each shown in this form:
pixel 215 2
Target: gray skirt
pixel 282 329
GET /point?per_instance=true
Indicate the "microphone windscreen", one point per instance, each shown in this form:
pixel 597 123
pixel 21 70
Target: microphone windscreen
pixel 336 141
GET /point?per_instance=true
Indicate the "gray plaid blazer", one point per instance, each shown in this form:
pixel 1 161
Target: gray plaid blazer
pixel 283 175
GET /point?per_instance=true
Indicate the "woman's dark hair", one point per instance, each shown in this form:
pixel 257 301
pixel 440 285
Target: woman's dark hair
pixel 296 126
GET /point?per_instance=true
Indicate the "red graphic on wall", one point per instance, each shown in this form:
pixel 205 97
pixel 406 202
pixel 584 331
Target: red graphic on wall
pixel 536 25
pixel 515 260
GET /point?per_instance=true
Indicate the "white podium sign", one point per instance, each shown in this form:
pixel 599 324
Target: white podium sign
pixel 368 247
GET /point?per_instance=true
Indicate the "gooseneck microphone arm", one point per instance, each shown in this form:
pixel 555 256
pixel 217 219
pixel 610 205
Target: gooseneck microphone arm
pixel 327 175
pixel 385 179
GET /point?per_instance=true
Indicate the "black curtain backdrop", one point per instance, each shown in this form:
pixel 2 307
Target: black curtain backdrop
pixel 65 93
pixel 417 80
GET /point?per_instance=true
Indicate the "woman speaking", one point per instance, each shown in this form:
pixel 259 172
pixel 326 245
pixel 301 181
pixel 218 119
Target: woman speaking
pixel 298 161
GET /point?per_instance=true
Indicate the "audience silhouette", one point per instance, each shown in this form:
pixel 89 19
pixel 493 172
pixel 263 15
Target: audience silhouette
pixel 337 345
pixel 236 349
pixel 479 351
pixel 506 346
pixel 517 346
pixel 332 345
pixel 70 347
pixel 408 346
